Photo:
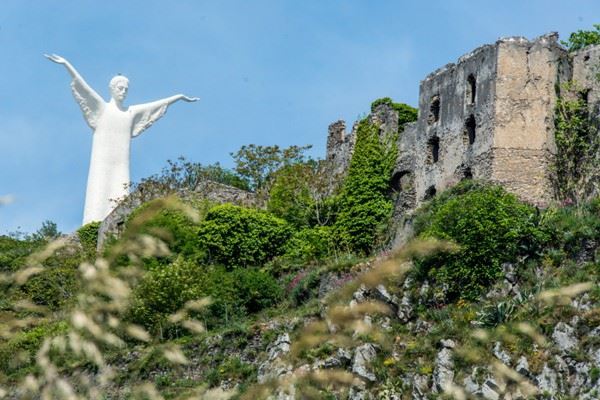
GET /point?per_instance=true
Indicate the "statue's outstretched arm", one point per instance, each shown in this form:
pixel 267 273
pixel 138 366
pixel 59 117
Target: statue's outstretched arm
pixel 90 102
pixel 72 71
pixel 177 97
pixel 148 113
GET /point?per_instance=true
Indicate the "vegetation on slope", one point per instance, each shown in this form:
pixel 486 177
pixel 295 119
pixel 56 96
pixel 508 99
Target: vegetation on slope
pixel 145 320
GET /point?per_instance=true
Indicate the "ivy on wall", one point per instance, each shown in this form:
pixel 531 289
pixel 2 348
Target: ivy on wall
pixel 576 160
pixel 365 206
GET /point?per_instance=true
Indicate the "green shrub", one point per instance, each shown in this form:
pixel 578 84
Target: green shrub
pixel 173 225
pixel 14 251
pixel 20 350
pixel 290 193
pixel 239 236
pixel 88 237
pixel 59 282
pixel 576 160
pixel 304 286
pixel 256 290
pixel 365 206
pixel 572 229
pixel 54 287
pixel 309 245
pixel 580 39
pixel 491 227
pixel 406 113
pixel 164 290
pixel 231 369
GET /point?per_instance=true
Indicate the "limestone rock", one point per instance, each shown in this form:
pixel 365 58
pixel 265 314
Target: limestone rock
pixel 501 354
pixel 359 394
pixel 274 367
pixel 490 389
pixel 420 387
pixel 523 366
pixel 470 383
pixel 547 380
pixel 443 373
pixel 405 309
pixel 361 363
pixel 564 337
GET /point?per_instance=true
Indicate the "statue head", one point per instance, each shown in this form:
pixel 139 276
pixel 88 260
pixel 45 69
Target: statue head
pixel 118 87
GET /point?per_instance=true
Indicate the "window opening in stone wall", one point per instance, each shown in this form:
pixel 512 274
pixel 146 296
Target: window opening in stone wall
pixel 470 126
pixel 585 96
pixel 471 89
pixel 434 110
pixel 402 181
pixel 430 192
pixel 434 149
pixel 468 173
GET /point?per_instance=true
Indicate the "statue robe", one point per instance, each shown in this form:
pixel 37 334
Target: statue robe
pixel 108 177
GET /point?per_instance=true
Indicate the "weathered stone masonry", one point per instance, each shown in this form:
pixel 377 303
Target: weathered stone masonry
pixel 489 116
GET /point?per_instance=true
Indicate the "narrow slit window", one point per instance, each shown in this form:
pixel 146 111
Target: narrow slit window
pixel 434 110
pixel 434 149
pixel 470 127
pixel 471 89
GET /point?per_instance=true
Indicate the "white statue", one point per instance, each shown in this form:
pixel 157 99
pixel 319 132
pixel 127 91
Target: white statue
pixel 114 125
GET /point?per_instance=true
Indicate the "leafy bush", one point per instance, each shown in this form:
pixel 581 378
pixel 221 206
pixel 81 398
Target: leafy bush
pixel 580 39
pixel 256 290
pixel 491 227
pixel 290 194
pixel 576 159
pixel 164 290
pixel 183 174
pixel 256 164
pixel 309 245
pixel 14 251
pixel 88 237
pixel 20 350
pixel 575 228
pixel 365 206
pixel 174 225
pixel 300 193
pixel 406 113
pixel 239 236
pixel 304 286
pixel 54 287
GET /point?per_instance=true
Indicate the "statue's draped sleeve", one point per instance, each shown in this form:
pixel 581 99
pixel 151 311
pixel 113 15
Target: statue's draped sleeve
pixel 147 114
pixel 89 101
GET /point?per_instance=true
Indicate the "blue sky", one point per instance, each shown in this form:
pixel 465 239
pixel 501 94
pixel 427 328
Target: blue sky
pixel 267 72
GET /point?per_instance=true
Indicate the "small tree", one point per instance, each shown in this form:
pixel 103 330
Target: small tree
pixel 580 39
pixel 364 202
pixel 257 163
pixel 298 193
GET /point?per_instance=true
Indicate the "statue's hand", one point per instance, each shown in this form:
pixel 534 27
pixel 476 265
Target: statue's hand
pixel 189 99
pixel 55 58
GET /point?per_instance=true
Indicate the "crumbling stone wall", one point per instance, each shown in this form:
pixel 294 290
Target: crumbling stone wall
pixel 528 74
pixel 216 192
pixel 488 116
pixel 453 134
pixel 340 146
pixel 586 73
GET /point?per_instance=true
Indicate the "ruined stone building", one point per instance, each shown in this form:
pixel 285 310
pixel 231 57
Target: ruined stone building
pixel 488 116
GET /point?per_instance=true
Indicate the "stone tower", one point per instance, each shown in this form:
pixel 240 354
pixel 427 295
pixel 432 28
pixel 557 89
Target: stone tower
pixel 489 116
